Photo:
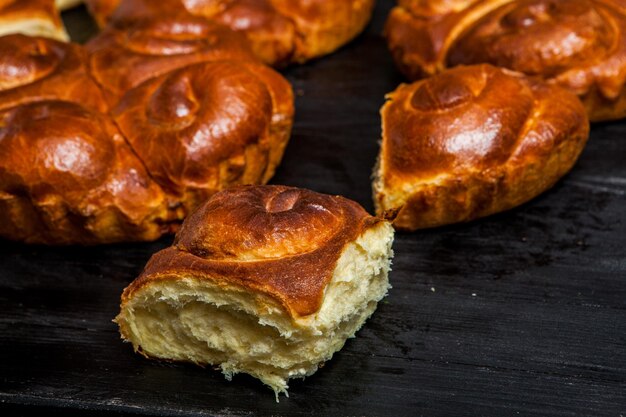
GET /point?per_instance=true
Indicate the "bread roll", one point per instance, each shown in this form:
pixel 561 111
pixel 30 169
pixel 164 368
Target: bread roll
pixel 31 17
pixel 265 280
pixel 280 31
pixel 473 141
pixel 68 176
pixel 72 174
pixel 216 122
pixel 577 44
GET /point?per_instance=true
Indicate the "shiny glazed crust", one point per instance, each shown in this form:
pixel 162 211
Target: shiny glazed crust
pixel 77 168
pixel 279 31
pixel 282 242
pixel 153 47
pixel 31 17
pixel 212 143
pixel 577 44
pixel 473 141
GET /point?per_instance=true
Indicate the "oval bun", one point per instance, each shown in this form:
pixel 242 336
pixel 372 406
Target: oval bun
pixel 473 141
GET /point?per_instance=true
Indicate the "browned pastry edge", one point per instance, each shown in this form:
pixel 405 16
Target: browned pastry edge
pixel 295 276
pixel 280 31
pixel 425 38
pixel 322 33
pixel 543 130
pixel 482 194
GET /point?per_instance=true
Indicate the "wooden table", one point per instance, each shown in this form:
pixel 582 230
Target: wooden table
pixel 523 313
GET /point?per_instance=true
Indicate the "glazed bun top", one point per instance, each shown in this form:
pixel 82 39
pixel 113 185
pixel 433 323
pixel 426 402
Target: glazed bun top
pixel 277 240
pixel 474 118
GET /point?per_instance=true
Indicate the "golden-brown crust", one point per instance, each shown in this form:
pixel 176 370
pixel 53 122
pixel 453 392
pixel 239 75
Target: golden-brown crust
pixel 36 69
pixel 139 177
pixel 279 31
pixel 154 47
pixel 31 17
pixel 578 44
pixel 67 176
pixel 282 242
pixel 212 142
pixel 272 35
pixel 473 141
pixel 281 94
pixel 66 173
pixel 322 26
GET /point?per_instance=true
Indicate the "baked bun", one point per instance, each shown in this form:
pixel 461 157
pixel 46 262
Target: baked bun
pixel 31 17
pixel 577 44
pixel 279 31
pixel 216 122
pixel 265 280
pixel 76 170
pixel 152 47
pixel 68 176
pixel 473 141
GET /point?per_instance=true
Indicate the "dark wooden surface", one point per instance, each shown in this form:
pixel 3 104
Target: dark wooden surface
pixel 523 313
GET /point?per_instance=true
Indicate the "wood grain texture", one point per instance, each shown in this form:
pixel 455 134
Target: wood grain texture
pixel 523 313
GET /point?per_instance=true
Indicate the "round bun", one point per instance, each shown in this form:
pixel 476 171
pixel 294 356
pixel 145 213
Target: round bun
pixel 130 166
pixel 577 44
pixel 473 141
pixel 279 31
pixel 214 120
pixel 67 176
pixel 266 280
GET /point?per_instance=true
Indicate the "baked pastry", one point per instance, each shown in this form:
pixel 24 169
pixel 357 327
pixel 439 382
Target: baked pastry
pixel 68 176
pixel 577 44
pixel 154 47
pixel 280 31
pixel 31 17
pixel 266 280
pixel 66 173
pixel 75 169
pixel 222 124
pixel 473 141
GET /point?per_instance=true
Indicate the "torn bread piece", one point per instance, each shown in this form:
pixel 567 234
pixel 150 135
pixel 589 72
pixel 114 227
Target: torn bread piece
pixel 265 280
